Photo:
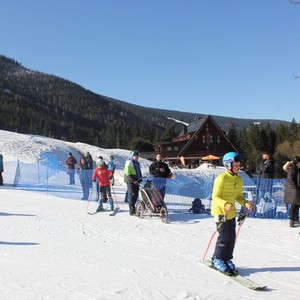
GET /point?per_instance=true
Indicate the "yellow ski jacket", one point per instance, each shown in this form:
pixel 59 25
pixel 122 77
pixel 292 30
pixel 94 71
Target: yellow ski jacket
pixel 227 188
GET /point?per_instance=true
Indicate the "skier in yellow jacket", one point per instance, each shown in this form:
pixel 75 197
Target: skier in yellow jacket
pixel 227 190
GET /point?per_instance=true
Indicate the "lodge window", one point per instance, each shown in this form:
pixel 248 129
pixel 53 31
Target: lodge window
pixel 176 148
pixel 203 138
pixel 211 139
pixel 218 139
pixel 169 148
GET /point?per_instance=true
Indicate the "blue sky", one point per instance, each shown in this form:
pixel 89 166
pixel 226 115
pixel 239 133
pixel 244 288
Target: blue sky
pixel 232 58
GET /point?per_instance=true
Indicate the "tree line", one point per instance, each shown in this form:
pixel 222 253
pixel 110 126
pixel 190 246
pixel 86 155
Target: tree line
pixel 282 142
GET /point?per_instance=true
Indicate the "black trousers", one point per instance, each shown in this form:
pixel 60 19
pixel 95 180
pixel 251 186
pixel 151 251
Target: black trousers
pixel 133 192
pixel 226 239
pixel 294 213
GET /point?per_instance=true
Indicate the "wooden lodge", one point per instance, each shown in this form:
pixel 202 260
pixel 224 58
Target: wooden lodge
pixel 201 141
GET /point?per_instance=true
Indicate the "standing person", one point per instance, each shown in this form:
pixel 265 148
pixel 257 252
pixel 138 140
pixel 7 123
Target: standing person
pixel 266 172
pixel 227 189
pixel 160 171
pixel 71 162
pixel 98 160
pixel 102 176
pixel 111 165
pixel 285 168
pixel 1 169
pixel 292 190
pixel 133 178
pixel 89 161
pixel 89 167
pixel 84 178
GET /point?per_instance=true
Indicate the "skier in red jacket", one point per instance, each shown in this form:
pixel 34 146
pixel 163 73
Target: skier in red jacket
pixel 101 173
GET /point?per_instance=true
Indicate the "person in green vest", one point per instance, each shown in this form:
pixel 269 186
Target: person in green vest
pixel 133 178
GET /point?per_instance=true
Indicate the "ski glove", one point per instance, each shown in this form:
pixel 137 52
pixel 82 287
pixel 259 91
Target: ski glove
pixel 222 218
pixel 241 218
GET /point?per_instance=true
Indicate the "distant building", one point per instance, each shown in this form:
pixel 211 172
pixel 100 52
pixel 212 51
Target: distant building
pixel 198 142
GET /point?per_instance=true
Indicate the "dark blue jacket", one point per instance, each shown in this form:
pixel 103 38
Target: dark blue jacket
pixel 1 163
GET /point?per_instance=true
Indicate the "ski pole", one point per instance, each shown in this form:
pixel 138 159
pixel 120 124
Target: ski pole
pixel 90 196
pixel 238 231
pixel 218 227
pixel 115 196
pixel 241 219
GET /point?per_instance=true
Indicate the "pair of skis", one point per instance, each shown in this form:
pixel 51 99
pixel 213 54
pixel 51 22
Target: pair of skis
pixel 245 282
pixel 112 212
pixel 237 278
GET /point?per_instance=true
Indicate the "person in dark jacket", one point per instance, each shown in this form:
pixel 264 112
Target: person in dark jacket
pixel 292 190
pixel 1 169
pixel 266 172
pixel 89 166
pixel 133 178
pixel 71 162
pixel 160 171
pixel 84 177
pixel 266 168
pixel 89 161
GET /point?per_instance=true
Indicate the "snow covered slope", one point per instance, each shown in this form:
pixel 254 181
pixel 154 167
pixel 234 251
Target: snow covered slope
pixel 50 248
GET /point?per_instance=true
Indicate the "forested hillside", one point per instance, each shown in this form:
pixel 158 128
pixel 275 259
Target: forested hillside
pixel 37 103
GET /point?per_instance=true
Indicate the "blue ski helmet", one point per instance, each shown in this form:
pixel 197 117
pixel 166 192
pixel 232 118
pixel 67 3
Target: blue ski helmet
pixel 230 157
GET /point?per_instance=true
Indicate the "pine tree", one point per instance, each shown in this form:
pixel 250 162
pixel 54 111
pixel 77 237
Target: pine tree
pixel 233 134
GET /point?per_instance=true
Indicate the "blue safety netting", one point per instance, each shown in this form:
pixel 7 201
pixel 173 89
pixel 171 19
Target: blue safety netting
pixel 47 176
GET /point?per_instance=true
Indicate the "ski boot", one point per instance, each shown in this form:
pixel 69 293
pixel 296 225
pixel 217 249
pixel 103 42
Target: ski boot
pixel 220 265
pixel 111 204
pixel 231 268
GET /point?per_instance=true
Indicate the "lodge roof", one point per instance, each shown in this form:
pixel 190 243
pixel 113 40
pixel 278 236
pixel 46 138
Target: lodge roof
pixel 194 126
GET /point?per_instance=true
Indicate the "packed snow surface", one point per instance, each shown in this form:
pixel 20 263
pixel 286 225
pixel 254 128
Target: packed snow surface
pixel 51 248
